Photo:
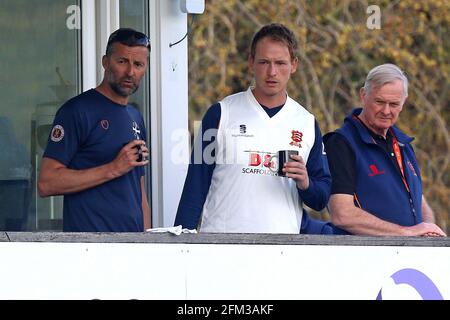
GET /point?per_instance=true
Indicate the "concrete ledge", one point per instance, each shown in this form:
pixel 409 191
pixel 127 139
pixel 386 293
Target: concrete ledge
pixel 220 238
pixel 3 237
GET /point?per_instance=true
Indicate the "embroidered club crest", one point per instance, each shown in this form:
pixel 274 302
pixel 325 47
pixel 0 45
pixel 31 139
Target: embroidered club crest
pixel 57 133
pixel 105 124
pixel 297 138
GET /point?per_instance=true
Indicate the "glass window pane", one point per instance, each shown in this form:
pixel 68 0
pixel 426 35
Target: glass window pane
pixel 40 71
pixel 133 15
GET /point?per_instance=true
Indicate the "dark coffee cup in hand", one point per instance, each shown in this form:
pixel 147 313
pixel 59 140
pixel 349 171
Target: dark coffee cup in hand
pixel 139 154
pixel 282 156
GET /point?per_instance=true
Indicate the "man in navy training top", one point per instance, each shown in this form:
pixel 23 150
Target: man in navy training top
pixel 96 151
pixel 377 188
pixel 233 185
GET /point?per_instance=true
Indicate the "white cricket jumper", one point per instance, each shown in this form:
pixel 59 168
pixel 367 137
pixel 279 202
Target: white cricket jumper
pixel 246 194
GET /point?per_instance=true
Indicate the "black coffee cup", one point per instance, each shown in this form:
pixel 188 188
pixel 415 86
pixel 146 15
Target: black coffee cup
pixel 283 156
pixel 140 156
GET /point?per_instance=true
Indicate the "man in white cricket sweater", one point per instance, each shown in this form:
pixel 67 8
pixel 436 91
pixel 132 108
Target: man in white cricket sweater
pixel 235 186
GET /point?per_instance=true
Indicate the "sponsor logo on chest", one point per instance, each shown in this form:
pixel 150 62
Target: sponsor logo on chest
pixel 136 131
pixel 241 131
pixel 261 162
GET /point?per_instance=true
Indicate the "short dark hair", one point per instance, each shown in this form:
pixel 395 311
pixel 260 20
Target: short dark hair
pixel 277 32
pixel 128 37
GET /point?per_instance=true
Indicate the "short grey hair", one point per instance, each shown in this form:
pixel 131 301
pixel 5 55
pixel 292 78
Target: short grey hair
pixel 385 73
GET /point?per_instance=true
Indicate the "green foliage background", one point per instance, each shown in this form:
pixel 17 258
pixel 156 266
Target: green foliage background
pixel 337 49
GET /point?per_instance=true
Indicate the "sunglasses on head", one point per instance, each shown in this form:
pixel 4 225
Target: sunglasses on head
pixel 129 37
